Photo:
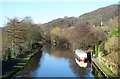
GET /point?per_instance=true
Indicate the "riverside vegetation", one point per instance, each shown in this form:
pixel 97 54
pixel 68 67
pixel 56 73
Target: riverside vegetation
pixel 97 30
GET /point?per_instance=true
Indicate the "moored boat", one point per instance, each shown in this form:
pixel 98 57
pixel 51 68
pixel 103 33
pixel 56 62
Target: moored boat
pixel 81 58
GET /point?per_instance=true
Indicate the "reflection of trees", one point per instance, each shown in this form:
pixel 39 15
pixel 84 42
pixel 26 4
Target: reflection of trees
pixel 32 65
pixel 69 55
pixel 81 72
pixel 76 69
pixel 47 48
pixel 61 52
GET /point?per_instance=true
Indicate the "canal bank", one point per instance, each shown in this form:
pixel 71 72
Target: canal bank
pixel 10 67
pixel 103 71
pixel 54 62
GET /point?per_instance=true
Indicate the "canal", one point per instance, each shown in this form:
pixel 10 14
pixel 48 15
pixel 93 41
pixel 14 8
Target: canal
pixel 54 62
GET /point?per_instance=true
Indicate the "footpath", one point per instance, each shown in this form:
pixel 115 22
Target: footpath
pixel 10 67
pixel 105 72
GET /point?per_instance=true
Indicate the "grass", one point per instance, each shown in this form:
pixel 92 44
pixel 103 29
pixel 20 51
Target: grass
pixel 26 59
pixel 7 74
pixel 29 55
pixel 105 69
pixel 19 65
pixel 115 32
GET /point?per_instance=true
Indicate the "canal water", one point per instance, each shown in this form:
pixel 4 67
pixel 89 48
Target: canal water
pixel 54 62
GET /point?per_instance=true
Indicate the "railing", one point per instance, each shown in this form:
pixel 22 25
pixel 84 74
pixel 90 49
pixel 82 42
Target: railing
pixel 99 70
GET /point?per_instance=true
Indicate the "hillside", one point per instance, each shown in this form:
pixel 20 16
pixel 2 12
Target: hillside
pixel 93 18
pixel 100 15
pixel 20 36
pixel 77 32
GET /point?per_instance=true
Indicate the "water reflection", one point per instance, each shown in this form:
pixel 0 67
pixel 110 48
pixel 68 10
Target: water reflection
pixel 55 62
pixel 52 66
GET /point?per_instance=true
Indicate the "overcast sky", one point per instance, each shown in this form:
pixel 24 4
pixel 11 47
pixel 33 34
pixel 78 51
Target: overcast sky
pixel 42 12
